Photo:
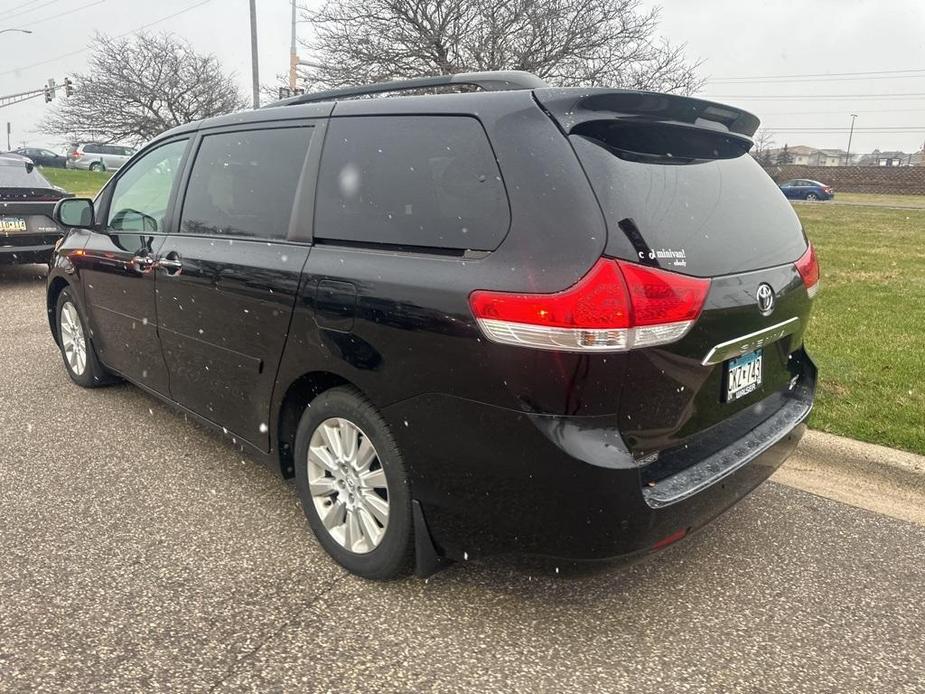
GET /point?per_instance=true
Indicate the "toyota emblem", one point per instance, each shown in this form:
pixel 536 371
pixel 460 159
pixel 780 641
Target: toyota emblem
pixel 765 296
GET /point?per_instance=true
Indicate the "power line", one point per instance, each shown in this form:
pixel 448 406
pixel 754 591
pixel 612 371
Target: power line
pixel 784 97
pixel 65 14
pixel 117 36
pixel 27 11
pixel 844 113
pixel 745 78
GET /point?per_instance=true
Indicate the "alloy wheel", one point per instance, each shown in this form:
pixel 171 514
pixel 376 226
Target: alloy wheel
pixel 348 485
pixel 73 340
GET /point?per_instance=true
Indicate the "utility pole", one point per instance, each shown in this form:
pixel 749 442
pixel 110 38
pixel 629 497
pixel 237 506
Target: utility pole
pixel 850 133
pixel 293 55
pixel 255 72
pixel 8 129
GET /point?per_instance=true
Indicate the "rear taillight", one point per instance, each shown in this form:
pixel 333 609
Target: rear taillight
pixel 808 267
pixel 615 307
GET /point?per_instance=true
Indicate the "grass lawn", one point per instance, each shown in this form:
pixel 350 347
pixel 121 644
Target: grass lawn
pixel 867 333
pixel 878 199
pixel 84 184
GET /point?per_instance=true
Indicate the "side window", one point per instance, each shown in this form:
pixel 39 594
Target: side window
pixel 411 181
pixel 93 149
pixel 141 195
pixel 243 183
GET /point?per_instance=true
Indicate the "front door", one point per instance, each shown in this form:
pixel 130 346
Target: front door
pixel 117 268
pixel 228 279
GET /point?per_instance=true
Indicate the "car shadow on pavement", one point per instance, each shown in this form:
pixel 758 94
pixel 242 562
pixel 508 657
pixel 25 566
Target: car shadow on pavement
pixel 19 275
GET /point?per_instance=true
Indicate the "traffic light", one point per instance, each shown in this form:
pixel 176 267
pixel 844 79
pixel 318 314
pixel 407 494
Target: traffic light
pixel 68 87
pixel 49 94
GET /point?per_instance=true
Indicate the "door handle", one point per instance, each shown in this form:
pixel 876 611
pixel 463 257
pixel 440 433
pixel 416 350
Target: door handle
pixel 142 263
pixel 171 264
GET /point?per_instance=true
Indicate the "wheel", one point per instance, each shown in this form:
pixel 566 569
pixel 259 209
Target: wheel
pixel 97 166
pixel 353 486
pixel 80 359
pixel 812 196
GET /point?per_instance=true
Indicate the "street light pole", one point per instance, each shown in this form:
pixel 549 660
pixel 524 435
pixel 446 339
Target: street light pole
pixel 255 72
pixel 293 55
pixel 850 133
pixel 23 31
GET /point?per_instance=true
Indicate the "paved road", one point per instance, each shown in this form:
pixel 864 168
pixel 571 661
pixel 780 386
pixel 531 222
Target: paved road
pixel 138 551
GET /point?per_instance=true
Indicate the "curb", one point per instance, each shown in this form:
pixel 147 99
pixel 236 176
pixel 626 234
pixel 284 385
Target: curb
pixel 866 475
pixel 864 459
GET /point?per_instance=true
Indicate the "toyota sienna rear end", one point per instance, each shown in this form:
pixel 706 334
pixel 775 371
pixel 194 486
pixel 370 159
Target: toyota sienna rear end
pixel 658 386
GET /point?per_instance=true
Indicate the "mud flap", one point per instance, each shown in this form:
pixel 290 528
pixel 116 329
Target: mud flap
pixel 427 560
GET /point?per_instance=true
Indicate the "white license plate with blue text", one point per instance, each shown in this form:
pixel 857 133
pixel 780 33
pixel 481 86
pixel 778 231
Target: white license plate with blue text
pixel 12 224
pixel 743 375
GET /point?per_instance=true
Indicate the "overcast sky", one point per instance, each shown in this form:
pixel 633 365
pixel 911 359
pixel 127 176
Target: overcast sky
pixel 735 38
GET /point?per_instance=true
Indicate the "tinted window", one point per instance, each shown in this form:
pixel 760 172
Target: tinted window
pixel 703 218
pixel 93 149
pixel 243 183
pixel 142 194
pixel 411 181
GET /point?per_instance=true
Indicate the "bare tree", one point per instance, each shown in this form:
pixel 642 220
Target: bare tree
pixel 566 42
pixel 764 143
pixel 783 156
pixel 141 86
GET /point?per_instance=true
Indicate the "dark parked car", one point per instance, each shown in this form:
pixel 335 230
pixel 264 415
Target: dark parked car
pixel 554 321
pixel 43 157
pixel 804 189
pixel 27 202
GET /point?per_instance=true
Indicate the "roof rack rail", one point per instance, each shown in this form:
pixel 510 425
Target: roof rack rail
pixel 496 81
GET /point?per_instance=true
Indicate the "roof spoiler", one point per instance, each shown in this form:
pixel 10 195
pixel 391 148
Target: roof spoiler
pixel 574 106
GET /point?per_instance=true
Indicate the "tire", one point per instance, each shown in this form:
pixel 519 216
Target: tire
pixel 812 196
pixel 97 166
pixel 72 327
pixel 345 485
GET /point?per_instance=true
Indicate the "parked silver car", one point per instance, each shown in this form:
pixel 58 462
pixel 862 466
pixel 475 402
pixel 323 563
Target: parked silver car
pixel 97 157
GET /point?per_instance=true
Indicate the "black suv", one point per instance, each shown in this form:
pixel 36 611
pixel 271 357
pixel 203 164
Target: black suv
pixel 565 322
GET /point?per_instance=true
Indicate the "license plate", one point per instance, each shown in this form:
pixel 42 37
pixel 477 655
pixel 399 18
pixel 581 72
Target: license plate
pixel 11 224
pixel 743 375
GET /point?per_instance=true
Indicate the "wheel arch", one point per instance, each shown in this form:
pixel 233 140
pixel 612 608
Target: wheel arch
pixel 55 287
pixel 298 395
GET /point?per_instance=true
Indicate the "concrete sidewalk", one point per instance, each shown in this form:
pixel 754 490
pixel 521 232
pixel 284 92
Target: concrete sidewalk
pixel 864 475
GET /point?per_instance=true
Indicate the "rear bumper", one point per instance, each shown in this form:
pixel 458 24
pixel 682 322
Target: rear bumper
pixel 492 480
pixel 27 253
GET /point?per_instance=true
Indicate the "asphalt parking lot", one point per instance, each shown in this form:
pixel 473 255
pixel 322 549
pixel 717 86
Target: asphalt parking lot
pixel 138 551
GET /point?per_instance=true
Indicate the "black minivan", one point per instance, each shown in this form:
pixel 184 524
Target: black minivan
pixel 513 318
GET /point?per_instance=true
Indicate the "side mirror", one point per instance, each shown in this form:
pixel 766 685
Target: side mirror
pixel 74 212
pixel 30 166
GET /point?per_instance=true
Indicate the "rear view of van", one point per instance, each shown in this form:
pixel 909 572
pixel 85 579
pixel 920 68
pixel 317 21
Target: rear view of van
pixel 563 322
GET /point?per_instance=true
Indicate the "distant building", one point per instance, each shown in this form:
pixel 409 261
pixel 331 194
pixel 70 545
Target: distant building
pixel 917 159
pixel 811 156
pixel 878 158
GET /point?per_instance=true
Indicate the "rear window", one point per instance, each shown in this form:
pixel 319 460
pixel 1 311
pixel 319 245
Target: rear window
pixel 14 174
pixel 412 181
pixel 703 217
pixel 243 183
